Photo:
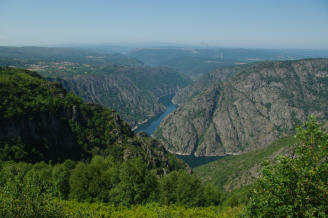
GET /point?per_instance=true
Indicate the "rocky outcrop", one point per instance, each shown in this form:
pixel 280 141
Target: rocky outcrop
pixel 187 93
pixel 134 93
pixel 262 102
pixel 113 80
pixel 40 121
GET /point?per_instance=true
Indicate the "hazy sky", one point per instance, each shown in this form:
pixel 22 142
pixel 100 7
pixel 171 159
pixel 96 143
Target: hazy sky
pixel 236 23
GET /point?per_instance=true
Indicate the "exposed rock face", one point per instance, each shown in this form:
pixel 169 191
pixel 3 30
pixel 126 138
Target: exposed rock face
pixel 207 80
pixel 113 80
pixel 133 92
pixel 262 102
pixel 40 121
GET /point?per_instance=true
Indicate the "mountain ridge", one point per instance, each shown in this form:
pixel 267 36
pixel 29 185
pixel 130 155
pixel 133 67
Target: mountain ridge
pixel 41 121
pixel 113 80
pixel 258 104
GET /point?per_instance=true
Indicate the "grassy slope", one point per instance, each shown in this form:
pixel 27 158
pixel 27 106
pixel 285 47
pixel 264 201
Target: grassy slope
pixel 233 172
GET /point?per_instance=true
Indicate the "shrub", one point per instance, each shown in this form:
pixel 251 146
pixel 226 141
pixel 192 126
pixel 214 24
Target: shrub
pixel 295 186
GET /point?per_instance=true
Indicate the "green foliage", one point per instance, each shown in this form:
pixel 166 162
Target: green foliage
pixel 238 197
pixel 106 180
pixel 230 171
pixel 47 178
pixel 30 199
pixel 132 183
pixel 40 121
pixel 27 103
pixel 13 151
pixel 25 92
pixel 92 182
pixel 137 185
pixel 188 190
pixel 60 179
pixel 295 186
pixel 128 81
pixel 76 209
pixel 183 189
pixel 27 202
pixel 23 191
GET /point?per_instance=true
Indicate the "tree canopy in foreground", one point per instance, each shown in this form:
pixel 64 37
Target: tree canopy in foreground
pixel 296 185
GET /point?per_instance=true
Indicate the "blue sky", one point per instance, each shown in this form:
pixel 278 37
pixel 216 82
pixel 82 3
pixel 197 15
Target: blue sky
pixel 229 23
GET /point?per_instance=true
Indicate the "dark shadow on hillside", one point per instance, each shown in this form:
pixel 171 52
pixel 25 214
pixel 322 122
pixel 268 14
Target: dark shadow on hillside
pixel 194 162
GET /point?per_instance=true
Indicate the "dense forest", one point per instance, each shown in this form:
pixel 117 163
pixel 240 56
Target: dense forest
pixel 176 109
pixel 61 157
pixel 54 146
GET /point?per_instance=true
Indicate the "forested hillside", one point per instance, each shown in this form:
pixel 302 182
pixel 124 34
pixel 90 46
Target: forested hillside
pixel 124 84
pixel 40 121
pixel 234 172
pixel 58 152
pixel 136 93
pixel 163 109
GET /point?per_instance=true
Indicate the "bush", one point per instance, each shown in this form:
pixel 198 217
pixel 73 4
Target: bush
pixel 296 186
pixel 187 190
pixel 92 182
pixel 19 199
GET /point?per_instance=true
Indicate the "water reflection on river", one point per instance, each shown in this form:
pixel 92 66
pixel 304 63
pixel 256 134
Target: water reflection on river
pixel 151 126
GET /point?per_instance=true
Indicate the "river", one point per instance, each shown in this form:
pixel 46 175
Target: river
pixel 150 126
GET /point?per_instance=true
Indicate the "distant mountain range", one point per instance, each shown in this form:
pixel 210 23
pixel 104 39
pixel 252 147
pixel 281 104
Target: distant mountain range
pixel 196 61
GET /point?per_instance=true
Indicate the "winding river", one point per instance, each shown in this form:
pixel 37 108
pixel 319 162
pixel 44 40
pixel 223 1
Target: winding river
pixel 152 125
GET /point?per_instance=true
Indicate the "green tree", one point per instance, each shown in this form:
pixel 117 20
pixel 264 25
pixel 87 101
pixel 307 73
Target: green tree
pixel 297 185
pixel 23 191
pixel 137 185
pixel 92 182
pixel 184 189
pixel 189 191
pixel 168 188
pixel 212 195
pixel 60 179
